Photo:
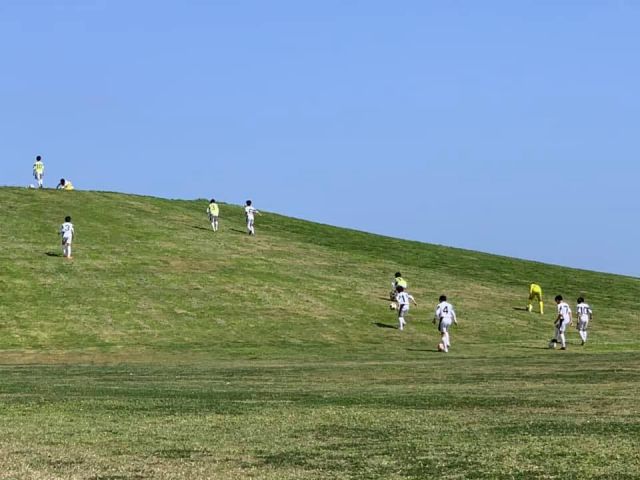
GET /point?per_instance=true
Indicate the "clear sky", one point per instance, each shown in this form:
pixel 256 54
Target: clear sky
pixel 501 126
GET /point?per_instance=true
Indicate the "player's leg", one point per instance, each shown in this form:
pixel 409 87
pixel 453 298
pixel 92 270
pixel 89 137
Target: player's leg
pixel 540 303
pixel 554 340
pixel 562 330
pixel 530 303
pixel 215 223
pixel 401 320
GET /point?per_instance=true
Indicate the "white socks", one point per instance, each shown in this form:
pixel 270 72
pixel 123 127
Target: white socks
pixel 402 323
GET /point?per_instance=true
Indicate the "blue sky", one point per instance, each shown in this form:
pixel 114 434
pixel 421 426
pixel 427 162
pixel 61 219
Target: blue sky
pixel 506 127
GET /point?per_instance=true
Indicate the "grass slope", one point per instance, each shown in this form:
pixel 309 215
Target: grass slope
pixel 164 350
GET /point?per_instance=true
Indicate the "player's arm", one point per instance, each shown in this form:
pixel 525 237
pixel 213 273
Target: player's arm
pixel 436 316
pixel 413 300
pixel 453 315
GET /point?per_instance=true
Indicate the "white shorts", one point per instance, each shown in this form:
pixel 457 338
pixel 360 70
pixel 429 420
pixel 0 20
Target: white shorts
pixel 38 176
pixel 583 324
pixel 444 324
pixel 403 310
pixel 213 217
pixel 561 326
pixel 66 240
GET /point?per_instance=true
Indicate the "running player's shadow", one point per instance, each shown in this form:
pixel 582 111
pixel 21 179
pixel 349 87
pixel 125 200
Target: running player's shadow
pixel 52 254
pixel 201 228
pixel 243 232
pixel 521 309
pixel 384 325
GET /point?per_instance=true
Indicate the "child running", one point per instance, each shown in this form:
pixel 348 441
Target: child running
pixel 68 234
pixel 403 299
pixel 445 316
pixel 249 212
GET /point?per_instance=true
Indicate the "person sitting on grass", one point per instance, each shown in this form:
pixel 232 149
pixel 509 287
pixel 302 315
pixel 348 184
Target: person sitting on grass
pixel 64 185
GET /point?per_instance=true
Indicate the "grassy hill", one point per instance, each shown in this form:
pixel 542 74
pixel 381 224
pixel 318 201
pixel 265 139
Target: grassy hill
pixel 163 350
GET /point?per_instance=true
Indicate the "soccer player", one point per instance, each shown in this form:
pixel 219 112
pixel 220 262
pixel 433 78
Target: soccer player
pixel 535 293
pixel 445 316
pixel 563 320
pixel 213 211
pixel 585 314
pixel 398 281
pixel 64 185
pixel 249 212
pixel 403 298
pixel 68 234
pixel 38 171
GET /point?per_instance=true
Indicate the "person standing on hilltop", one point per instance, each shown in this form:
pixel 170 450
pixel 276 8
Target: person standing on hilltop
pixel 249 212
pixel 535 293
pixel 38 171
pixel 213 211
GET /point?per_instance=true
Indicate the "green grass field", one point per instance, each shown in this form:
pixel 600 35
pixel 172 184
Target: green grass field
pixel 166 351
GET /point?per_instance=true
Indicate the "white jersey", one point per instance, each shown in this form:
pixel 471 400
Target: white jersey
pixel 249 212
pixel 445 310
pixel 403 299
pixel 564 310
pixel 584 312
pixel 66 230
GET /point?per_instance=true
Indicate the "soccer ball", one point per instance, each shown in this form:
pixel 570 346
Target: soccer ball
pixel 393 306
pixel 441 347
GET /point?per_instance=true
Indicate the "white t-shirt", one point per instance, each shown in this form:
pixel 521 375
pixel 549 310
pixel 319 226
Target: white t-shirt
pixel 584 312
pixel 249 211
pixel 564 310
pixel 445 310
pixel 403 298
pixel 66 230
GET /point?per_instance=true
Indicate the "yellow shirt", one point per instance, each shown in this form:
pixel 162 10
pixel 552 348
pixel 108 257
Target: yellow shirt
pixel 68 185
pixel 38 167
pixel 401 282
pixel 213 209
pixel 535 288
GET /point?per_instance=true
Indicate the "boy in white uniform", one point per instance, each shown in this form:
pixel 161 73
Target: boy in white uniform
pixel 249 212
pixel 563 320
pixel 68 233
pixel 445 316
pixel 584 312
pixel 38 171
pixel 403 299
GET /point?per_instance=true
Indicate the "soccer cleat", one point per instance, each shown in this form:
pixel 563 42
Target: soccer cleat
pixel 563 348
pixel 582 343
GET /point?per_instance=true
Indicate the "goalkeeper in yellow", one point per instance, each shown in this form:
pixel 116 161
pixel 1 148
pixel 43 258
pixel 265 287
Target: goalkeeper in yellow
pixel 535 293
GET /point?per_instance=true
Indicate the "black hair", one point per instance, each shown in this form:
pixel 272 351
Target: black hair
pixel 443 298
pixel 62 181
pixel 248 203
pixel 399 289
pixel 398 274
pixel 558 298
pixel 67 218
pixel 213 200
pixel 38 158
pixel 580 300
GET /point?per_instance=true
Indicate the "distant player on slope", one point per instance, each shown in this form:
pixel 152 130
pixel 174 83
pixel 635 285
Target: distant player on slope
pixel 213 211
pixel 38 171
pixel 445 316
pixel 403 299
pixel 249 212
pixel 563 320
pixel 68 234
pixel 585 314
pixel 398 281
pixel 65 185
pixel 535 293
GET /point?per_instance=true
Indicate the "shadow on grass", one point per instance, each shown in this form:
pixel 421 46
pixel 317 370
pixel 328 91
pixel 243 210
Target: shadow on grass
pixel 53 254
pixel 243 232
pixel 432 350
pixel 521 309
pixel 385 298
pixel 202 228
pixel 384 325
